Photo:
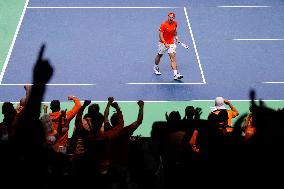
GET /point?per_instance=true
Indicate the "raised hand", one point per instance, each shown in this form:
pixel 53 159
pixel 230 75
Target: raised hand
pixel 42 69
pixel 167 116
pixel 110 99
pixel 63 113
pixel 86 103
pixel 70 97
pixel 45 108
pixel 115 105
pixel 198 112
pixel 140 103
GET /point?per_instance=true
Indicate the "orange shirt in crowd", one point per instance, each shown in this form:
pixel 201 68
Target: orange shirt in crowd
pixel 62 141
pixel 231 114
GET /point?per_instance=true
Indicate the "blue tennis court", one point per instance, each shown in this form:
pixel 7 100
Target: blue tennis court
pixel 101 49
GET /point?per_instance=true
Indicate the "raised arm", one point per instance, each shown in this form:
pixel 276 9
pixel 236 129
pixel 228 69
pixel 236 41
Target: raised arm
pixel 45 107
pixel 41 75
pixel 78 120
pixel 106 112
pixel 236 113
pixel 27 125
pixel 119 113
pixel 60 123
pixel 140 115
pixel 77 105
pixel 128 130
pixel 140 112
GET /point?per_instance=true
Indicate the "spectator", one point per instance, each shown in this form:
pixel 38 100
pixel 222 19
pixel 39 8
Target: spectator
pixel 219 105
pixel 29 157
pixel 119 145
pixel 51 133
pixel 191 123
pixel 9 113
pixel 248 127
pixel 55 115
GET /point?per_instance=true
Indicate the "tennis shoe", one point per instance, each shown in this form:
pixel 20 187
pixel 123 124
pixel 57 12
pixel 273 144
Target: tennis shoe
pixel 178 76
pixel 157 70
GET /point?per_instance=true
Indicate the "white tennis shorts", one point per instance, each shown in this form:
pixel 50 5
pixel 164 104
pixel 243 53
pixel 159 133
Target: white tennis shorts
pixel 162 48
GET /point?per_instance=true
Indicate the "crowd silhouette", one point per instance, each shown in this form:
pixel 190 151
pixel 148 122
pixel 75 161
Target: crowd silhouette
pixel 102 153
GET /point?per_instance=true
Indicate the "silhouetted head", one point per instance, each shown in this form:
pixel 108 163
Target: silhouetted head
pixel 8 109
pixel 46 122
pixel 55 105
pixel 114 119
pixel 97 122
pixel 174 117
pixel 93 109
pixel 189 112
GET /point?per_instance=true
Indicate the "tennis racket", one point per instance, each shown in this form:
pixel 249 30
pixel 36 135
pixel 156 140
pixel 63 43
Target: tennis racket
pixel 183 45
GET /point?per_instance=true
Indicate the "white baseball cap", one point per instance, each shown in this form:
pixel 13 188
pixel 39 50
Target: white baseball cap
pixel 219 103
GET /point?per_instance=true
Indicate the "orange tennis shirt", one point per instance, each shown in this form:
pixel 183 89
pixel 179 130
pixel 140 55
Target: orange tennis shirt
pixel 169 31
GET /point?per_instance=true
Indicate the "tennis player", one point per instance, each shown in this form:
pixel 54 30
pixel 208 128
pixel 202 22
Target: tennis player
pixel 168 35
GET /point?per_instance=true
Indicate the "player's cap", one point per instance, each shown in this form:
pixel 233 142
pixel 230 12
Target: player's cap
pixel 171 14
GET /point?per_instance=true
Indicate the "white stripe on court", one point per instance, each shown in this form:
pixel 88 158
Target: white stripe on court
pixel 135 101
pixel 103 7
pixel 166 83
pixel 237 100
pixel 236 6
pixel 258 39
pixel 274 82
pixel 194 45
pixel 51 84
pixel 152 101
pixel 13 42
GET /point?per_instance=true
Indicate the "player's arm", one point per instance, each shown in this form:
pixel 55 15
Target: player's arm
pixel 163 40
pixel 176 37
pixel 162 37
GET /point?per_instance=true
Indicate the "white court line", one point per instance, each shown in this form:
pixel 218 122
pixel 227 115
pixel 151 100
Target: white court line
pixel 258 39
pixel 103 7
pixel 166 83
pixel 104 101
pixel 51 84
pixel 13 42
pixel 194 45
pixel 244 6
pixel 135 101
pixel 273 82
pixel 152 101
pixel 235 100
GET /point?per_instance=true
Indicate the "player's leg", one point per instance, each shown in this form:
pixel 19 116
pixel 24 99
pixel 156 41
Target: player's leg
pixel 161 51
pixel 158 58
pixel 172 55
pixel 156 66
pixel 173 61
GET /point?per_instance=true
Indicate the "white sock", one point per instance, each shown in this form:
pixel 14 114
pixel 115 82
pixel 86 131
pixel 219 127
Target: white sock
pixel 175 72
